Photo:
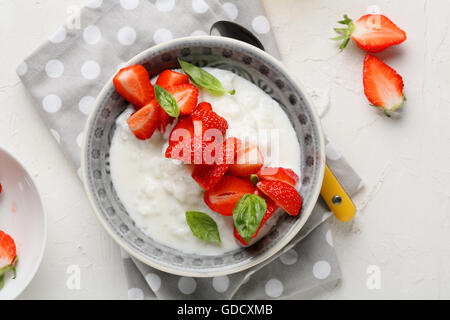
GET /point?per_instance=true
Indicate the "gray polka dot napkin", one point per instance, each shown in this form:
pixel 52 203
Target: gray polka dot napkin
pixel 66 73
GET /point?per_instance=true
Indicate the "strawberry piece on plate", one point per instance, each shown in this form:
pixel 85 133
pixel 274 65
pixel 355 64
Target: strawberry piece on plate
pixel 271 208
pixel 183 130
pixel 169 78
pixel 208 122
pixel 372 32
pixel 204 106
pixel 222 198
pixel 186 96
pixel 248 161
pixel 278 174
pixel 144 121
pixel 283 194
pixel 7 250
pixel 133 84
pixel 193 151
pixel 383 86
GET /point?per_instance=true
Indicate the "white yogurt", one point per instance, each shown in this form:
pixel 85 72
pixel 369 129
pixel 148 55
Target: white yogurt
pixel 157 191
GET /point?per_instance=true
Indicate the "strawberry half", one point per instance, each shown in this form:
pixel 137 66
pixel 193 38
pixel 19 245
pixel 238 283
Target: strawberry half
pixel 169 78
pixel 383 86
pixel 248 161
pixel 186 96
pixel 145 121
pixel 222 198
pixel 133 84
pixel 205 120
pixel 207 176
pixel 7 250
pixel 204 106
pixel 372 32
pixel 285 195
pixel 183 130
pixel 271 208
pixel 278 174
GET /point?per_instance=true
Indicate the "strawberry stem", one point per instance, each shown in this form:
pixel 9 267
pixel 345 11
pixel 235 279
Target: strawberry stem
pixel 344 33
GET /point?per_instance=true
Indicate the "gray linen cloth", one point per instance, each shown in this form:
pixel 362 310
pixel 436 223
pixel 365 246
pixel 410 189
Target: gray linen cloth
pixel 66 73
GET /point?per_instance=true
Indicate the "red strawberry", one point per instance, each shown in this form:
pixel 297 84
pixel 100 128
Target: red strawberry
pixel 271 208
pixel 133 84
pixel 248 161
pixel 372 32
pixel 145 121
pixel 196 151
pixel 1 188
pixel 285 195
pixel 7 250
pixel 207 176
pixel 169 78
pixel 186 96
pixel 278 174
pixel 222 198
pixel 204 106
pixel 184 129
pixel 383 86
pixel 206 121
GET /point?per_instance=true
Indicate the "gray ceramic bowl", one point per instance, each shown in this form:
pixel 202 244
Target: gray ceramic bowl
pixel 250 63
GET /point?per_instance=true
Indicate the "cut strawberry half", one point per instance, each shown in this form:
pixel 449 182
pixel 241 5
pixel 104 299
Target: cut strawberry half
pixel 278 174
pixel 145 121
pixel 372 32
pixel 204 106
pixel 196 151
pixel 207 176
pixel 133 84
pixel 186 96
pixel 248 161
pixel 222 198
pixel 7 250
pixel 183 130
pixel 208 123
pixel 383 86
pixel 283 194
pixel 169 78
pixel 271 208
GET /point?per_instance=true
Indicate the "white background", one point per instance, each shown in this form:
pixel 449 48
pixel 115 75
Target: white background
pixel 403 223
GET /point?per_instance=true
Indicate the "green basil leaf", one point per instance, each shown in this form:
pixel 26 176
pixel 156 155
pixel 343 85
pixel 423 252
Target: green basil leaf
pixel 167 101
pixel 247 215
pixel 203 78
pixel 203 226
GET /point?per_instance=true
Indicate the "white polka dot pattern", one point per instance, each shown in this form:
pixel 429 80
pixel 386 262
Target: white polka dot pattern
pixel 92 34
pixel 329 238
pixel 22 69
pixel 129 4
pixel 55 135
pixel 54 68
pixel 187 285
pixel 94 4
pixel 59 36
pixel 86 103
pixel 80 139
pixel 51 103
pixel 321 269
pixel 162 35
pixel 274 288
pixel 135 294
pixel 165 5
pixel 199 6
pixel 126 36
pixel 261 25
pixel 331 152
pixel 221 284
pixel 154 281
pixel 289 258
pixel 90 70
pixel 231 10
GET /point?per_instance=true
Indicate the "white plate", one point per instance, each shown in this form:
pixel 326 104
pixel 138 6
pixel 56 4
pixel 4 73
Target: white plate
pixel 22 216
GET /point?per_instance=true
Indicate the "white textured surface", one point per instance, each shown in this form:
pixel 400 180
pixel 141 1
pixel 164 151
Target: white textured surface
pixel 403 226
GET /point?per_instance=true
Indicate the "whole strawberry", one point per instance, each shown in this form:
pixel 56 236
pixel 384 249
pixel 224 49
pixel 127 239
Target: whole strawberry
pixel 372 33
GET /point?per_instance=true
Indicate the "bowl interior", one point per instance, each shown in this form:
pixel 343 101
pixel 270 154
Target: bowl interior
pixel 21 216
pixel 249 63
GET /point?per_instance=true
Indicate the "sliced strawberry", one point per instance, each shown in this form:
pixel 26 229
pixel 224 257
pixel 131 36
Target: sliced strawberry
pixel 248 161
pixel 170 78
pixel 222 198
pixel 145 121
pixel 278 174
pixel 7 250
pixel 372 32
pixel 133 84
pixel 271 208
pixel 204 106
pixel 184 129
pixel 207 176
pixel 208 122
pixel 383 86
pixel 186 96
pixel 196 151
pixel 285 195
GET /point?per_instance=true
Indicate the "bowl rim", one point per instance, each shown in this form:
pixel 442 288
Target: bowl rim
pixel 38 263
pixel 306 210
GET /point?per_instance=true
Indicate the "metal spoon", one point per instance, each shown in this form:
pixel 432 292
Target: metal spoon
pixel 233 30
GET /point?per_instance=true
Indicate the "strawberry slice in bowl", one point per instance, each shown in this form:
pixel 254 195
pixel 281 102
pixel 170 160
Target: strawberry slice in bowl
pixel 248 161
pixel 186 96
pixel 169 78
pixel 283 194
pixel 278 174
pixel 145 121
pixel 133 84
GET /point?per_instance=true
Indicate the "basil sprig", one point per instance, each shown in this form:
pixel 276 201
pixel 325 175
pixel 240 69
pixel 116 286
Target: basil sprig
pixel 167 101
pixel 247 215
pixel 203 78
pixel 203 226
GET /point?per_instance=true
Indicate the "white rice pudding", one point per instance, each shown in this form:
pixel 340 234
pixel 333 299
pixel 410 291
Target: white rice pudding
pixel 157 191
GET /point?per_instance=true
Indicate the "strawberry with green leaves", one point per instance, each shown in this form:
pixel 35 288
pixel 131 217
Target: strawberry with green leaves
pixel 8 257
